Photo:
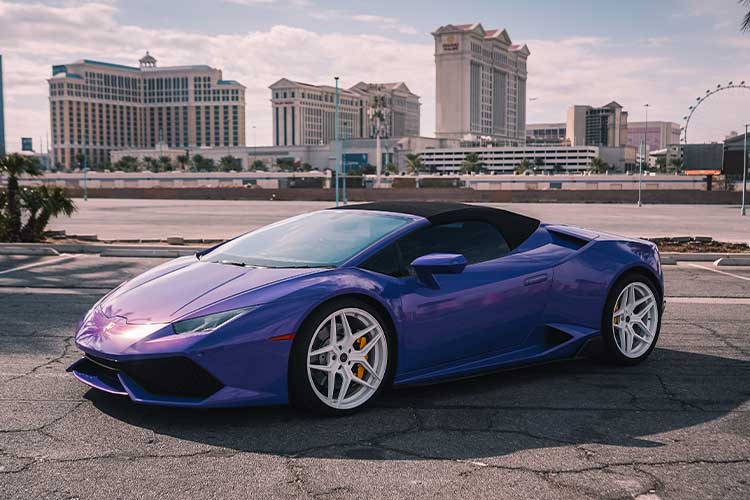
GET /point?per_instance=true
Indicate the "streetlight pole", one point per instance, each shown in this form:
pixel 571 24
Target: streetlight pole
pixel 744 172
pixel 255 147
pixel 343 163
pixel 336 141
pixel 85 166
pixel 643 159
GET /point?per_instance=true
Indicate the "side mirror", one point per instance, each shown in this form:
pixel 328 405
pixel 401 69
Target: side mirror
pixel 428 265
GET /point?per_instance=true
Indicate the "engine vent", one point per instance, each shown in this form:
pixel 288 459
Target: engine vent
pixel 567 240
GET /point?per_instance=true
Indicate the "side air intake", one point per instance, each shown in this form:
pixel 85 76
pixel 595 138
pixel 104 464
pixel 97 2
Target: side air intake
pixel 554 337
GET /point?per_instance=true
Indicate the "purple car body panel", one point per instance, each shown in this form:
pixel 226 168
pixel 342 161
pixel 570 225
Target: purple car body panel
pixel 491 315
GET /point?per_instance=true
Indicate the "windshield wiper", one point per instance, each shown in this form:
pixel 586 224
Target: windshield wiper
pixel 231 263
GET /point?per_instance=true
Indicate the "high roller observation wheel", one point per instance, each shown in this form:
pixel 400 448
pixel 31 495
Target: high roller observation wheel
pixel 700 100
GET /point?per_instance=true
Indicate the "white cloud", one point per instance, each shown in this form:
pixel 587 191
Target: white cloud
pixel 250 2
pixel 574 70
pixel 36 36
pixel 656 41
pixel 382 22
pixel 585 71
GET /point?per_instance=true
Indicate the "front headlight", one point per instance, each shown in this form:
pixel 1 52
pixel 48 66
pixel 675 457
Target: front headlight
pixel 209 323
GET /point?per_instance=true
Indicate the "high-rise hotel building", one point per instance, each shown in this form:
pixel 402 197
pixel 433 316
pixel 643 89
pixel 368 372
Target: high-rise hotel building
pixel 305 114
pixel 481 85
pixel 96 107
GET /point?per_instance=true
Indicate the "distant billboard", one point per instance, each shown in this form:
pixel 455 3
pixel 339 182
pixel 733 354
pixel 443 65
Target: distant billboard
pixel 27 144
pixel 355 160
pixel 703 159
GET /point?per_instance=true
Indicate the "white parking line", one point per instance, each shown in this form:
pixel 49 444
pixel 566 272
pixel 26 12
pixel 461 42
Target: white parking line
pixel 28 290
pixel 61 258
pixel 745 278
pixel 709 300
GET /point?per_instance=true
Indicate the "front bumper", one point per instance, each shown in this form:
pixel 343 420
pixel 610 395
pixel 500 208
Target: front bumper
pixel 150 365
pixel 167 381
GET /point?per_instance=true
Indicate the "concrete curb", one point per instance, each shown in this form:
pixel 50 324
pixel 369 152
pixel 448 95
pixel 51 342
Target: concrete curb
pixel 733 261
pixel 701 257
pixel 7 249
pixel 158 251
pixel 145 252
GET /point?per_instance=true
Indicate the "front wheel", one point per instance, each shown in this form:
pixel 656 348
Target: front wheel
pixel 632 320
pixel 341 359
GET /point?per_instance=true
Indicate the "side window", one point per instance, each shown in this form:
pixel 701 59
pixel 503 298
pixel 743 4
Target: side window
pixel 387 261
pixel 476 240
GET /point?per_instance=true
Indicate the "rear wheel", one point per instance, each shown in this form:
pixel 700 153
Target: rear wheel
pixel 632 320
pixel 342 358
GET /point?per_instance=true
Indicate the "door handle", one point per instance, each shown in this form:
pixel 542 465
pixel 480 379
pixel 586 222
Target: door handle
pixel 536 279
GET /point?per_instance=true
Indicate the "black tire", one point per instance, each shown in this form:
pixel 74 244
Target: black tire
pixel 301 393
pixel 612 352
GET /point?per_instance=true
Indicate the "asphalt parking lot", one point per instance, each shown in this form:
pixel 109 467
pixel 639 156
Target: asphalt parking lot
pixel 677 426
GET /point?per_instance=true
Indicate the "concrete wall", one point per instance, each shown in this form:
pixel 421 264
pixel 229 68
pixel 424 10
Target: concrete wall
pixel 274 180
pixel 467 195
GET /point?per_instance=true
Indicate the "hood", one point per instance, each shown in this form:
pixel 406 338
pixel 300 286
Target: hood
pixel 177 288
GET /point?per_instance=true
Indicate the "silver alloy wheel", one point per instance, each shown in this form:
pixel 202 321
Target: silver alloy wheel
pixel 347 358
pixel 635 319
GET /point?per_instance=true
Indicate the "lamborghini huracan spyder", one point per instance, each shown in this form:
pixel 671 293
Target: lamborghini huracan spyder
pixel 327 309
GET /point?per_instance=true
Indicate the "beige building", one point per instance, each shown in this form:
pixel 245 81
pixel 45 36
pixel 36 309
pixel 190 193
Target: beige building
pixel 98 107
pixel 399 105
pixel 603 126
pixel 480 85
pixel 545 133
pixel 305 114
pixel 658 134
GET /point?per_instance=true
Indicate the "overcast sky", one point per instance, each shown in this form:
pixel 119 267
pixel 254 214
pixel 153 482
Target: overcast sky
pixel 665 53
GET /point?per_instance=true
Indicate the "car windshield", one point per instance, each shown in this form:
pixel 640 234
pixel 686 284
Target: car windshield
pixel 319 239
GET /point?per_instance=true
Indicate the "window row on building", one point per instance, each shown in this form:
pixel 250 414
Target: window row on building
pixel 98 107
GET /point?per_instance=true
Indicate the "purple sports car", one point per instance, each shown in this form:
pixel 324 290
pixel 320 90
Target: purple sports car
pixel 327 309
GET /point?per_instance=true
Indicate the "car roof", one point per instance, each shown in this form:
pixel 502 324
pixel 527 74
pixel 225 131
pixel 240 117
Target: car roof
pixel 516 228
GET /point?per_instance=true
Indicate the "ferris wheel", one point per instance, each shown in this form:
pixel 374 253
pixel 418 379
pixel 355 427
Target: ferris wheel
pixel 700 100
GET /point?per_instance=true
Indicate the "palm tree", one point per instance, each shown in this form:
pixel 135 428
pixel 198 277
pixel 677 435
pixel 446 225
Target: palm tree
pixel 472 164
pixel 414 163
pixel 522 167
pixel 203 164
pixel 164 164
pixel 676 164
pixel 127 164
pixel 539 164
pixel 15 165
pixel 661 164
pixel 598 166
pixel 42 204
pixel 746 19
pixel 229 162
pixel 183 160
pixel 259 166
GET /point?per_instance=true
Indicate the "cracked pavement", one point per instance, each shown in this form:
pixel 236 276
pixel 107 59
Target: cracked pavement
pixel 678 426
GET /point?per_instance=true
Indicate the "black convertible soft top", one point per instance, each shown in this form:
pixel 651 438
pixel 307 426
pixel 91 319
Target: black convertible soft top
pixel 514 227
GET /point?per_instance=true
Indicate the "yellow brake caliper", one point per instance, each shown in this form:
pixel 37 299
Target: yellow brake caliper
pixel 616 319
pixel 361 369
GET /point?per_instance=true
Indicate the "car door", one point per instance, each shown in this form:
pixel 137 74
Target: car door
pixel 492 306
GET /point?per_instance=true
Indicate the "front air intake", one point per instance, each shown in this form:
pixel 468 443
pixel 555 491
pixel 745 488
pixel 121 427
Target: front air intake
pixel 172 376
